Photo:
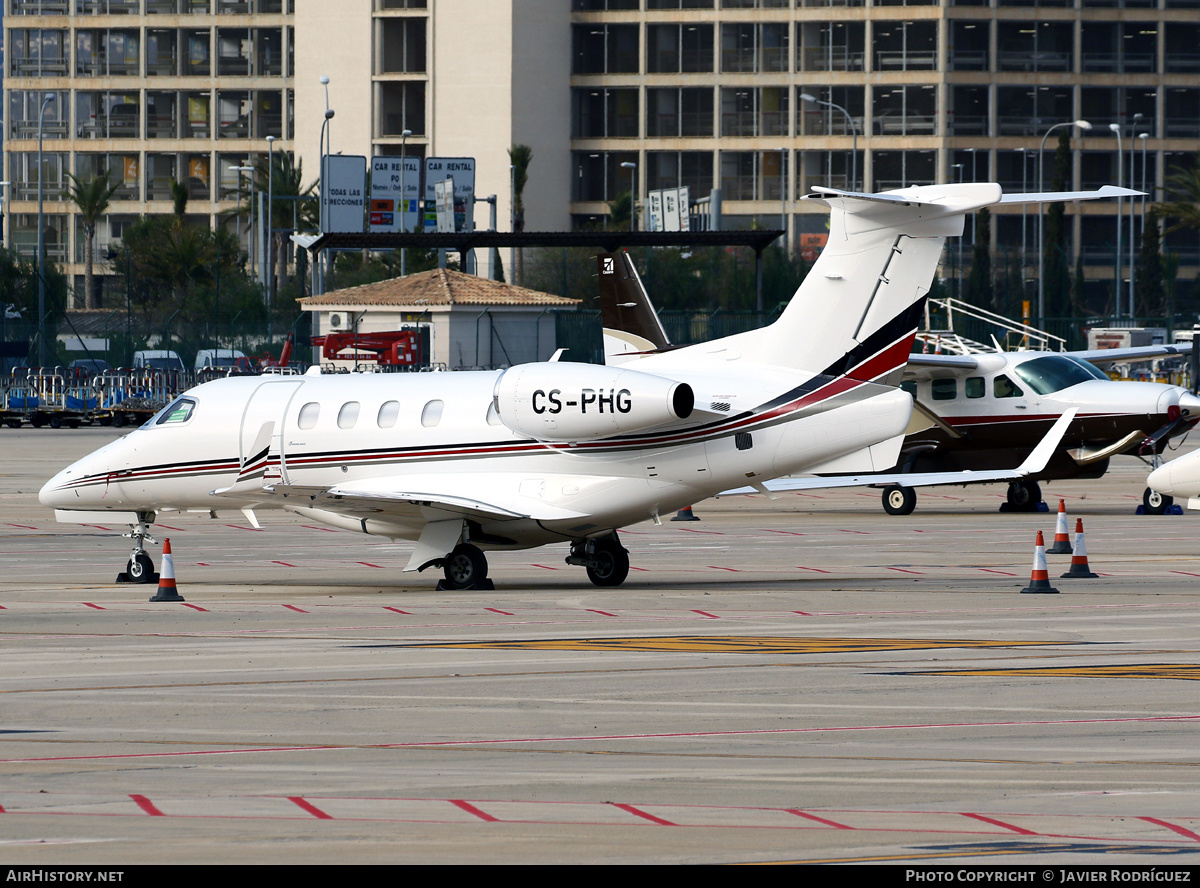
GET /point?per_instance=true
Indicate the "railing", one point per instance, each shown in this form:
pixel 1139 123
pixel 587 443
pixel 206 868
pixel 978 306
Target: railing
pixel 1008 329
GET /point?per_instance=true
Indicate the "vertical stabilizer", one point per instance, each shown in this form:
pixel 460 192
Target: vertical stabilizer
pixel 631 325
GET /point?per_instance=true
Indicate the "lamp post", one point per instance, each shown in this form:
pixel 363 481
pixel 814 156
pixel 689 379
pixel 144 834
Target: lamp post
pixel 813 100
pixel 41 239
pixel 632 167
pixel 404 134
pixel 270 233
pixel 1085 126
pixel 1116 128
pixel 8 228
pixel 1132 206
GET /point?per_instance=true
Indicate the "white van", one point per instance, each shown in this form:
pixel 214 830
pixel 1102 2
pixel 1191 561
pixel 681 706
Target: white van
pixel 157 359
pixel 212 358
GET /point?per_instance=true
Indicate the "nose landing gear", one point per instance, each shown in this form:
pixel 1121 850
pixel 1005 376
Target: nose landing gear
pixel 140 568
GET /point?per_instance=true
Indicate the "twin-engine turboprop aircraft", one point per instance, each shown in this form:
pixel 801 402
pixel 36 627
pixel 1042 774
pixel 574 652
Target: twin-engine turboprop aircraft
pixel 557 452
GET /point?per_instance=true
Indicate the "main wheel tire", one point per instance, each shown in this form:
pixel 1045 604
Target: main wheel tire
pixel 140 569
pixel 1024 495
pixel 464 567
pixel 611 567
pixel 1156 503
pixel 899 500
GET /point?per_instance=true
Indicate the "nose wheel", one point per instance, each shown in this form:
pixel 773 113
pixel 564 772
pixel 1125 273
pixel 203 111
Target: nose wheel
pixel 140 567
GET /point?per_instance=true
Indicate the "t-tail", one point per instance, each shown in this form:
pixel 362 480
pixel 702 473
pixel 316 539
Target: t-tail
pixel 631 325
pixel 858 309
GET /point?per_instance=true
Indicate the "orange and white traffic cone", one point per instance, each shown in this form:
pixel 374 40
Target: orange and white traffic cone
pixel 685 514
pixel 1039 581
pixel 1079 563
pixel 166 577
pixel 1062 542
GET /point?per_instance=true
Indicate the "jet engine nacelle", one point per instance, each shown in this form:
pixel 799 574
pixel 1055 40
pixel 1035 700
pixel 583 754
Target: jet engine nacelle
pixel 584 402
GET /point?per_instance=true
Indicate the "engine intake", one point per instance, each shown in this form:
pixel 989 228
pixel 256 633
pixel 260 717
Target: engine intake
pixel 585 402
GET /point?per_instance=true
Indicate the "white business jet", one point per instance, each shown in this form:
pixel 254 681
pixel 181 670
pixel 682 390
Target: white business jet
pixel 554 451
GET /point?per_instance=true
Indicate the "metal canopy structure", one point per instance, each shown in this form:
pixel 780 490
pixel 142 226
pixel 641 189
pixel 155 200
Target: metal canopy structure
pixel 609 241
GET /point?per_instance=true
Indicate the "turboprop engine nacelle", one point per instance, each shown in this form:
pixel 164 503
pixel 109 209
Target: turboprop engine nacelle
pixel 583 402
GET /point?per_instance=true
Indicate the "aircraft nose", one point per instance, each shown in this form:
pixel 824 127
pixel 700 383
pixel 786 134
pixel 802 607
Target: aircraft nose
pixel 1160 480
pixel 57 494
pixel 1189 404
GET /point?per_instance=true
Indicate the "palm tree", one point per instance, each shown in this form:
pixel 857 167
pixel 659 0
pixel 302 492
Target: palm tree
pixel 180 195
pixel 1182 206
pixel 92 195
pixel 294 204
pixel 520 156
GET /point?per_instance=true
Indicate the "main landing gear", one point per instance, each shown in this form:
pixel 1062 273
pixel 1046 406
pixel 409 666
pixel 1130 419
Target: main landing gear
pixel 899 500
pixel 140 568
pixel 1024 496
pixel 606 560
pixel 465 567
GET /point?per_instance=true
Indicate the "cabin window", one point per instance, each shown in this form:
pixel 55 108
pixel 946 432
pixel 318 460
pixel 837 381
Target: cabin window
pixel 308 415
pixel 493 415
pixel 348 415
pixel 388 414
pixel 944 389
pixel 177 412
pixel 1003 387
pixel 975 387
pixel 432 414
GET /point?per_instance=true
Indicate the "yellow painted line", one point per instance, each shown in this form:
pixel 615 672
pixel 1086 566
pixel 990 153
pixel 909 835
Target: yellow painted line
pixel 1179 671
pixel 734 644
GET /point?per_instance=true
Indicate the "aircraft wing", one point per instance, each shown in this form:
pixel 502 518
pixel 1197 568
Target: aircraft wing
pixel 1034 463
pixel 416 498
pixel 1136 353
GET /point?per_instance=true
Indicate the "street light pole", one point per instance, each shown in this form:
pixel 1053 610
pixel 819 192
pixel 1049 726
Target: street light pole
pixel 813 100
pixel 270 233
pixel 632 167
pixel 41 241
pixel 1086 127
pixel 1116 128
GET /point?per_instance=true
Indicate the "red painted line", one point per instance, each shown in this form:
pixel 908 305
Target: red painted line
pixel 502 613
pixel 203 564
pixel 631 567
pixel 1186 833
pixel 863 532
pixel 788 532
pixel 96 606
pixel 1000 823
pixel 98 527
pixel 710 532
pixel 906 571
pixel 196 607
pixel 243 527
pixel 1003 573
pixel 802 613
pixel 298 610
pixel 169 527
pixel 310 808
pixel 703 614
pixel 544 566
pixel 23 526
pixel 1186 573
pixel 601 613
pixel 645 816
pixel 471 809
pixel 369 564
pixel 146 805
pixel 817 819
pixel 284 563
pixel 813 569
pixel 718 567
pixel 396 610
pixel 314 527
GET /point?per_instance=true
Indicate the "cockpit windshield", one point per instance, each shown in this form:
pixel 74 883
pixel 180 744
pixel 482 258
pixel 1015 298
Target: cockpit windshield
pixel 176 413
pixel 1054 373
